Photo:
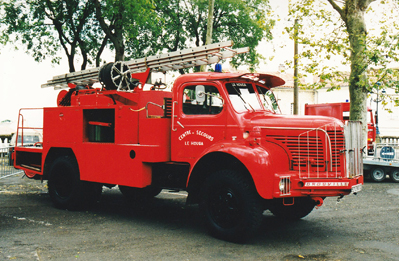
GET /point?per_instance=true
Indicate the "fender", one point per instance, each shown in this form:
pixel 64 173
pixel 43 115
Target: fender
pixel 262 162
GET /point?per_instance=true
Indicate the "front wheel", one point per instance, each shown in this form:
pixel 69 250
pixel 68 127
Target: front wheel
pixel 297 209
pixel 377 174
pixel 231 206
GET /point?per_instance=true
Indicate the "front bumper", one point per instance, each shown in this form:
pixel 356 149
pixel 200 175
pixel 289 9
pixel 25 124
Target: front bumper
pixel 292 186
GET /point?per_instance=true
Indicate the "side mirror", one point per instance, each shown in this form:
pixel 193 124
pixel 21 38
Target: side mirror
pixel 200 93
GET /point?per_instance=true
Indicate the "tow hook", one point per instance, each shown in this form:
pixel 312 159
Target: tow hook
pixel 339 199
pixel 318 200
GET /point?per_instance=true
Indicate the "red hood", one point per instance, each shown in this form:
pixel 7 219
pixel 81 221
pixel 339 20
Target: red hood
pixel 292 121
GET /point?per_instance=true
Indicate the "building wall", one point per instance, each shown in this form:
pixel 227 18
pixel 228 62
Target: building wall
pixel 388 115
pixel 285 97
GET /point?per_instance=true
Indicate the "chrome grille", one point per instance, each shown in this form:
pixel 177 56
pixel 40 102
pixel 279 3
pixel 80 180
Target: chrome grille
pixel 315 153
pixel 325 152
pixel 337 146
pixel 305 150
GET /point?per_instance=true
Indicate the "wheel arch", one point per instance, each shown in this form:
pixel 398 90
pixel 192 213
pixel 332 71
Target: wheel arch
pixel 259 164
pixel 208 164
pixel 52 155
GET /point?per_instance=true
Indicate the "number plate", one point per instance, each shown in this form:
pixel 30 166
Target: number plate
pixel 357 188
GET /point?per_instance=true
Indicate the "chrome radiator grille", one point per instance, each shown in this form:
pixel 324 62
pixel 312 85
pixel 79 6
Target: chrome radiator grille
pixel 337 146
pixel 329 151
pixel 303 150
pixel 315 153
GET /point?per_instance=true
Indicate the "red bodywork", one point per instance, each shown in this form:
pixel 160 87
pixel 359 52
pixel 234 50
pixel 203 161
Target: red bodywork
pixel 126 138
pixel 341 111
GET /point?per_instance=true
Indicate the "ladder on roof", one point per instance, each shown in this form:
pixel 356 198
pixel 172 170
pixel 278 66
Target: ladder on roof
pixel 203 55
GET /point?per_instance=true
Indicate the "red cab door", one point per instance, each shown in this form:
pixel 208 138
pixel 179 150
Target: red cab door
pixel 199 120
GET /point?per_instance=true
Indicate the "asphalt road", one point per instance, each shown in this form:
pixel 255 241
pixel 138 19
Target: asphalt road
pixel 361 227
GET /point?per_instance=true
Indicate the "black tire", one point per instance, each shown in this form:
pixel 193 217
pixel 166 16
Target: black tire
pixel 105 76
pixel 231 206
pixel 137 195
pixel 377 174
pixel 301 208
pixel 394 175
pixel 66 189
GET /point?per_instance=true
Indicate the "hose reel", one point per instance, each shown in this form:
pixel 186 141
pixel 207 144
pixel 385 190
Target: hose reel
pixel 116 76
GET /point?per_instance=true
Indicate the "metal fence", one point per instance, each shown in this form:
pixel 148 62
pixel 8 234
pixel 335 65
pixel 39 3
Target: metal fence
pixel 6 167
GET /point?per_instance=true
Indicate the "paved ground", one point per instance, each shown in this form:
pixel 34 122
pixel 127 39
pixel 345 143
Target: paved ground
pixel 362 227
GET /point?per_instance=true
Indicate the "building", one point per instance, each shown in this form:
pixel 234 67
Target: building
pixel 388 114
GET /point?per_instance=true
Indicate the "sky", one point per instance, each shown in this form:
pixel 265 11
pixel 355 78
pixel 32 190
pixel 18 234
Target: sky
pixel 20 80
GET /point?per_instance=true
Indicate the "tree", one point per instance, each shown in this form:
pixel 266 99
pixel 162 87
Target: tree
pixel 132 29
pixel 184 22
pixel 352 13
pixel 45 26
pixel 336 31
pixel 125 19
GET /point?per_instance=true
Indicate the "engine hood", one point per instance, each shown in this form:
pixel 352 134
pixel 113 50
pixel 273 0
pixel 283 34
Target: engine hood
pixel 290 121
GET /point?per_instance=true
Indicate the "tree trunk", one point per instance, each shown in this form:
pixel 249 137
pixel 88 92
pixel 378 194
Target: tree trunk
pixel 119 48
pixel 118 35
pixel 353 15
pixel 209 29
pixel 358 81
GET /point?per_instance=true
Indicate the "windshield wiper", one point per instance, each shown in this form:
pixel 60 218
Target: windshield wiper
pixel 245 103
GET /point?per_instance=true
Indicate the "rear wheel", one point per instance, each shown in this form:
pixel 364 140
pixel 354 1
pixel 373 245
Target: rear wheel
pixel 66 189
pixel 231 206
pixel 395 175
pixel 377 174
pixel 300 208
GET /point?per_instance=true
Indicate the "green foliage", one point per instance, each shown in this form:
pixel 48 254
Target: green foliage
pixel 324 43
pixel 46 27
pixel 83 28
pixel 24 24
pixel 326 49
pixel 184 23
pixel 126 22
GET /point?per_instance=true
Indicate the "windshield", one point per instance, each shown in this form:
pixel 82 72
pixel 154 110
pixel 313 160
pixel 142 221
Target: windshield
pixel 244 97
pixel 268 99
pixel 29 138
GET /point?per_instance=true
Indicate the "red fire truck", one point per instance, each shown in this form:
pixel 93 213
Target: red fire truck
pixel 340 110
pixel 215 135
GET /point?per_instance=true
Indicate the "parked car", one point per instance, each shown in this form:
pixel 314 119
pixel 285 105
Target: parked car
pixel 29 139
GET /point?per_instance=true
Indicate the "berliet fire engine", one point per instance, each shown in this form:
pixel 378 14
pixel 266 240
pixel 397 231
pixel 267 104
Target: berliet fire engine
pixel 218 136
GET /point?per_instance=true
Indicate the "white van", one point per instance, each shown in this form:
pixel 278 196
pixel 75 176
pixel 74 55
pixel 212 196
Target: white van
pixel 30 139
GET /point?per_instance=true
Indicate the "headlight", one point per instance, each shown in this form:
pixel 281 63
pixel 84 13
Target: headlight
pixel 285 186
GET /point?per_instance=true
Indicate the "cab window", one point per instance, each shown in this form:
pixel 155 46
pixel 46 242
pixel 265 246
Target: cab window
pixel 268 99
pixel 202 99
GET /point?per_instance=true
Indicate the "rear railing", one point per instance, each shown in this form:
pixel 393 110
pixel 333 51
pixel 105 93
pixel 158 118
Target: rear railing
pixel 29 120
